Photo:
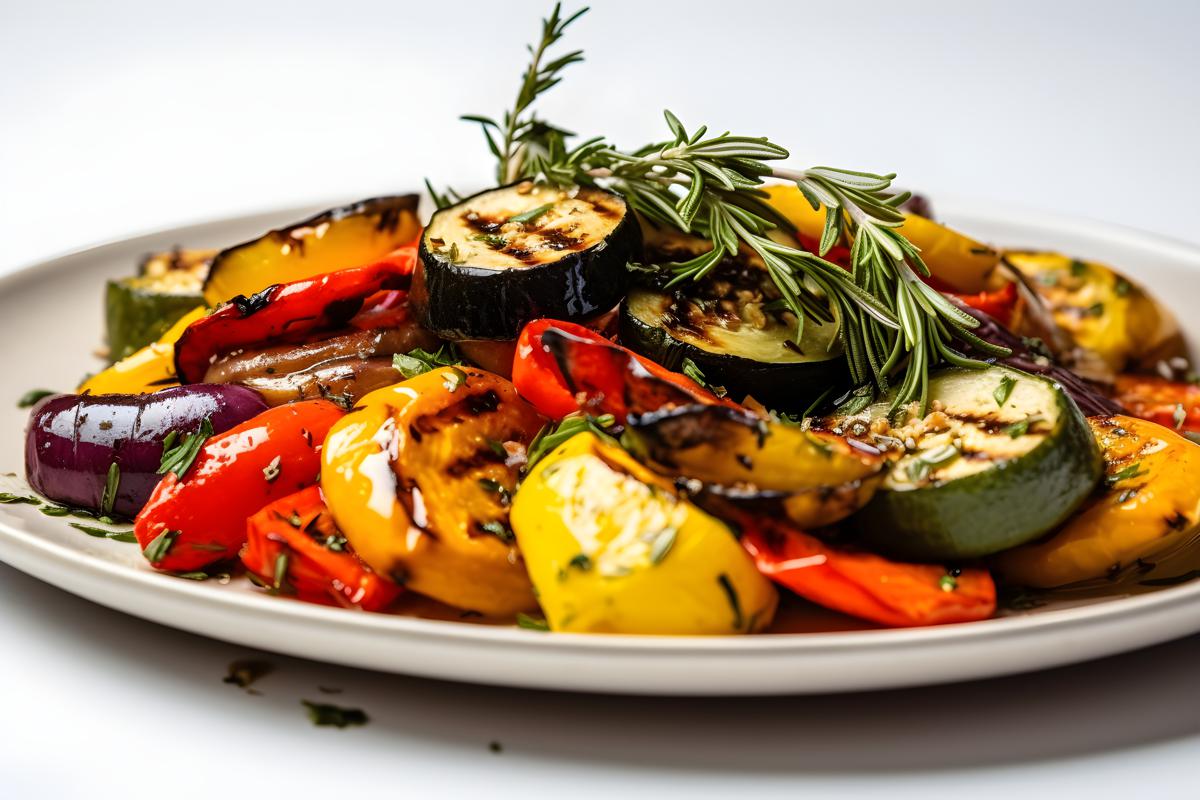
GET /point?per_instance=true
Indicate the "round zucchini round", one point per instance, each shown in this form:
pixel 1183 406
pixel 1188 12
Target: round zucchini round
pixel 503 257
pixel 1002 460
pixel 719 324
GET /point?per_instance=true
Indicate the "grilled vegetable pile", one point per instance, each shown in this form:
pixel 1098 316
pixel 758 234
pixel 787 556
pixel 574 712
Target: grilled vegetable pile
pixel 674 390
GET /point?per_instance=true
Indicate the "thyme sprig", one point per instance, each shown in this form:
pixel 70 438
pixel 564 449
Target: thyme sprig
pixel 711 186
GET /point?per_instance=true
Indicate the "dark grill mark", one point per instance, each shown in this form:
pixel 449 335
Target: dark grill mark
pixel 339 312
pixel 473 405
pixel 255 302
pixel 484 403
pixel 466 464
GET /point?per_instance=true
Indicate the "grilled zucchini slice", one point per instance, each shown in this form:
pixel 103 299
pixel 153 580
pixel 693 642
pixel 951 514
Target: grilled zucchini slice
pixel 1002 458
pixel 496 260
pixel 140 309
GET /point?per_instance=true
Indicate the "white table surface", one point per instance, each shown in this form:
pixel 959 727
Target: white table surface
pixel 119 117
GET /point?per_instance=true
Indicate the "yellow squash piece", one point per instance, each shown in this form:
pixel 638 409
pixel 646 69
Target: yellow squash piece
pixel 1102 311
pixel 959 260
pixel 1149 507
pixel 814 478
pixel 340 238
pixel 418 480
pixel 612 548
pixel 147 370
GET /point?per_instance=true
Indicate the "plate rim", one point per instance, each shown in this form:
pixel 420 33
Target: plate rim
pixel 26 543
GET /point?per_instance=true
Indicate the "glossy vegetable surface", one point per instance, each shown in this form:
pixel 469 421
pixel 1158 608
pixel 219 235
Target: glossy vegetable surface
pixel 294 548
pixel 349 236
pixel 612 548
pixel 1149 506
pixel 959 261
pixel 199 518
pixel 866 585
pixel 494 261
pixel 289 313
pixel 72 441
pixel 419 478
pixel 814 478
pixel 561 368
pixel 149 369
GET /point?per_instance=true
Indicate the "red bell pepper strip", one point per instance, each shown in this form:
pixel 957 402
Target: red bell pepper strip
pixel 866 585
pixel 294 312
pixel 200 518
pixel 294 547
pixel 1000 305
pixel 561 368
pixel 1172 404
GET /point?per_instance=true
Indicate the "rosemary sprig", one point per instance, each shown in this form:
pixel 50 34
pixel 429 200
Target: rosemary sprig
pixel 511 139
pixel 890 321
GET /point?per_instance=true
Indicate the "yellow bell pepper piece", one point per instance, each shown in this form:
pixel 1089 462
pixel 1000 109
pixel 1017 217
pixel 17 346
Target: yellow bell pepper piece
pixel 147 370
pixel 959 260
pixel 1150 505
pixel 1102 311
pixel 611 548
pixel 412 479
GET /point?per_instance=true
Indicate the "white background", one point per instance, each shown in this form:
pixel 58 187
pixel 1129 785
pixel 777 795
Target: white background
pixel 118 117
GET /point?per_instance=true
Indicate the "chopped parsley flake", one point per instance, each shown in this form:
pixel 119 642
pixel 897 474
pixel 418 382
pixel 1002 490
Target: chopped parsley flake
pixel 331 716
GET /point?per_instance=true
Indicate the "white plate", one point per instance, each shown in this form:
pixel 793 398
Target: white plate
pixel 50 317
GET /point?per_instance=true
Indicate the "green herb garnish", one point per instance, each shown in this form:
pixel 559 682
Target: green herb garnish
pixel 455 378
pixel 689 368
pixel 551 436
pixel 947 583
pixel 1128 473
pixel 191 576
pixel 104 533
pixel 732 596
pixel 178 458
pixel 1018 429
pixel 279 578
pixel 581 562
pixel 531 214
pixel 662 544
pixel 1004 390
pixel 496 488
pixel 326 715
pixel 160 546
pixel 491 240
pixel 920 467
pixel 271 471
pixel 31 397
pixel 531 623
pixel 7 498
pixel 244 672
pixel 417 361
pixel 111 484
pixel 499 530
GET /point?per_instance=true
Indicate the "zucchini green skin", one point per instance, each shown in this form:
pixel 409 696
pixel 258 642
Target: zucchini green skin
pixel 459 301
pixel 995 510
pixel 135 317
pixel 790 387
